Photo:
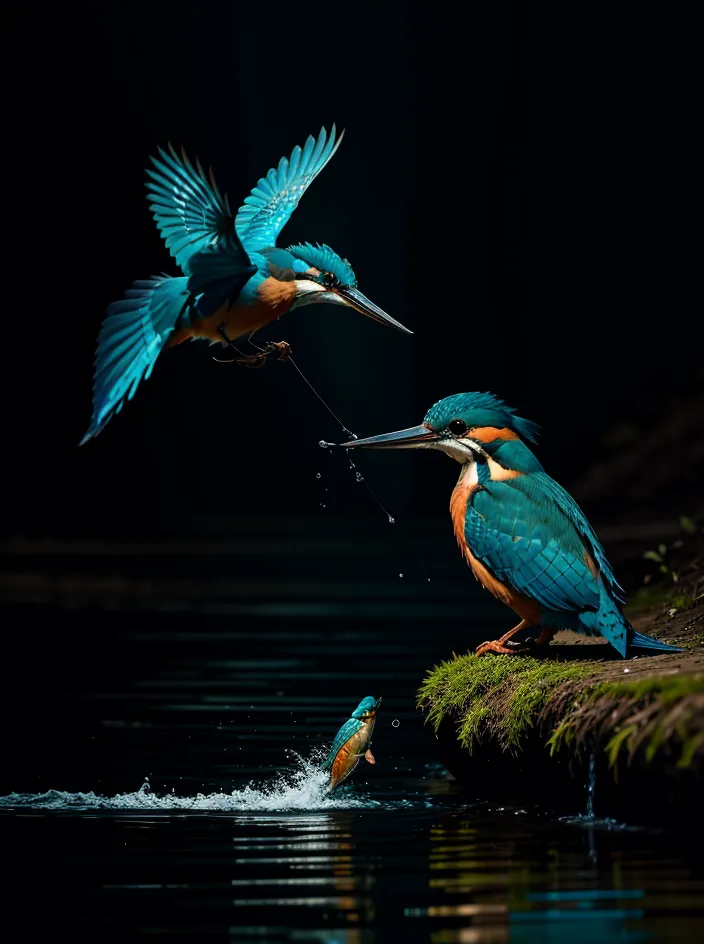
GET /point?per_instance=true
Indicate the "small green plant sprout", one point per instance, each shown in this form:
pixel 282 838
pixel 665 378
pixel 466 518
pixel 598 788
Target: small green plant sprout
pixel 661 558
pixel 687 525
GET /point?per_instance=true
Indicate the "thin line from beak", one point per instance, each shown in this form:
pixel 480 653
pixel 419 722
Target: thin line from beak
pixel 361 303
pixel 416 437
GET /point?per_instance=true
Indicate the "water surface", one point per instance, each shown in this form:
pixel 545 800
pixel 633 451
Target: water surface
pixel 161 780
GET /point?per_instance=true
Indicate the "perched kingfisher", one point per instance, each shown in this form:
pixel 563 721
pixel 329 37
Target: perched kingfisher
pixel 352 742
pixel 525 538
pixel 235 278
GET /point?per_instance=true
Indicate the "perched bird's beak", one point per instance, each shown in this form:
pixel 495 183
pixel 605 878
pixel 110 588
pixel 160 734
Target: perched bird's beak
pixel 354 299
pixel 417 437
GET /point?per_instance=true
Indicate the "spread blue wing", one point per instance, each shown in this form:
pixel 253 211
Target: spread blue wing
pixel 131 339
pixel 343 735
pixel 269 206
pixel 188 208
pixel 524 539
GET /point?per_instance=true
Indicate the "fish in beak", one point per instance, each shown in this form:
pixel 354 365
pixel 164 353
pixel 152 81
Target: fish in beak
pixel 353 298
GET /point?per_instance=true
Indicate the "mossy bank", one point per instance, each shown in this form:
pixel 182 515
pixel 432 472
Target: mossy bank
pixel 524 728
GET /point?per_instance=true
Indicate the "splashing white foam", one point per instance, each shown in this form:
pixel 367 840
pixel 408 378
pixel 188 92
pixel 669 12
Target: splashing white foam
pixel 303 789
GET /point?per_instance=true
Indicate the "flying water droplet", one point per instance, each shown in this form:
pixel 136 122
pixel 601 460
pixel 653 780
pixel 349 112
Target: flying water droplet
pixel 395 723
pixel 392 520
pixel 318 475
pixel 323 444
pixel 401 575
pixel 359 476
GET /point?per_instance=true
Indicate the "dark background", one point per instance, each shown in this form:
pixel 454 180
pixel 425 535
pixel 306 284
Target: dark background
pixel 514 186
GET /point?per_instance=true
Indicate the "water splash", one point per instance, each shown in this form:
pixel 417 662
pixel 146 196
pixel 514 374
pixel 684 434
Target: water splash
pixel 591 783
pixel 302 789
pixel 588 819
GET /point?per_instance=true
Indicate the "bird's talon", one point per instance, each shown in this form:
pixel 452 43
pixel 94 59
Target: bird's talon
pixel 282 349
pixel 501 648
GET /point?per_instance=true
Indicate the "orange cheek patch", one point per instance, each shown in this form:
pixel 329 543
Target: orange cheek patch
pixel 490 433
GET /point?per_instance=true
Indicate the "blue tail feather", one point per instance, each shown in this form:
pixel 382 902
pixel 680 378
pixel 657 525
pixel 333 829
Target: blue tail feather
pixel 609 622
pixel 132 336
pixel 647 642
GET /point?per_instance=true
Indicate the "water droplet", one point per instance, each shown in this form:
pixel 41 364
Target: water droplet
pixel 392 520
pixel 323 444
pixel 351 436
pixel 395 723
pixel 400 575
pixel 318 475
pixel 359 476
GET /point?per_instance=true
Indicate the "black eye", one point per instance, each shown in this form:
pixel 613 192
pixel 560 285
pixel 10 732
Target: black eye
pixel 457 427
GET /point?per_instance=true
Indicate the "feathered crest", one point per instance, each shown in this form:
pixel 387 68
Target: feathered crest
pixel 325 259
pixel 480 409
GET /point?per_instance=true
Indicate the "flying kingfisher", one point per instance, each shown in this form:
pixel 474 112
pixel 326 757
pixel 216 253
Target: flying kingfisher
pixel 235 281
pixel 352 742
pixel 524 537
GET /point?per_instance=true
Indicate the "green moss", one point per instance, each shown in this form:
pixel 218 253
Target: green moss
pixel 498 697
pixel 649 713
pixel 504 697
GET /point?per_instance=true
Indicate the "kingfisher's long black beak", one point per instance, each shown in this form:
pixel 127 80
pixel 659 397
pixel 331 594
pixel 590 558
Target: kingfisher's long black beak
pixel 361 303
pixel 417 437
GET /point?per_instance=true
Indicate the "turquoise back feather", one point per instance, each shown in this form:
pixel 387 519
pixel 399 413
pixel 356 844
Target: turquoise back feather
pixel 348 729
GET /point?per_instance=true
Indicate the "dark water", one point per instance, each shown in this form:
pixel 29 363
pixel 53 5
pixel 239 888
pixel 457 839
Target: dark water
pixel 203 669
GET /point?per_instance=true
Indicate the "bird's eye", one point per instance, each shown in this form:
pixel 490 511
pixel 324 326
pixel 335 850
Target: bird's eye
pixel 457 427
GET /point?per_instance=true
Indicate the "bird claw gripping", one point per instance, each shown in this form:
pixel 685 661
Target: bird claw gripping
pixel 281 349
pixel 505 648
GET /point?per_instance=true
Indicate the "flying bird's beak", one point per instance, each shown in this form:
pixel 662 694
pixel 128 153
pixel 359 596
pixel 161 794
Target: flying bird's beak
pixel 417 437
pixel 354 299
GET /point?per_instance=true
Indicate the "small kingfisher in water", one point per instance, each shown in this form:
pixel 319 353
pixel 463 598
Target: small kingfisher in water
pixel 524 537
pixel 352 742
pixel 235 281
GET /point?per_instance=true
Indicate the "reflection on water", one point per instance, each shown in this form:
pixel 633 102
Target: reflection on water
pixel 237 841
pixel 441 869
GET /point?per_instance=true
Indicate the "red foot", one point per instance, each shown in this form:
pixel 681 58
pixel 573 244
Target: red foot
pixel 505 649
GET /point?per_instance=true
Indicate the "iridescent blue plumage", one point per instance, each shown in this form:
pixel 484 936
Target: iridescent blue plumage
pixel 523 535
pixel 132 337
pixel 188 209
pixel 480 409
pixel 327 260
pixel 351 727
pixel 269 206
pixel 236 279
pixel 532 541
